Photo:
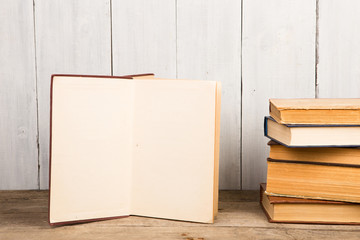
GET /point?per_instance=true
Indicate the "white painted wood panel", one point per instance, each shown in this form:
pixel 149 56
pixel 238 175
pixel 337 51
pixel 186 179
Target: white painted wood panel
pixel 144 37
pixel 278 61
pixel 209 48
pixel 71 37
pixel 178 38
pixel 18 117
pixel 339 49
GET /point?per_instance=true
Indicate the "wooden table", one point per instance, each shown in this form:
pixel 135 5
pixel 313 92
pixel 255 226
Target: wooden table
pixel 23 215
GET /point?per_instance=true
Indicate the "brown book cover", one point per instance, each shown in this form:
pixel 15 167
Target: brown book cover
pixel 316 111
pixel 324 211
pixel 340 155
pixel 313 180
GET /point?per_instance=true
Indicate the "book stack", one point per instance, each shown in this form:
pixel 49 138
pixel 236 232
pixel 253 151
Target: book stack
pixel 314 163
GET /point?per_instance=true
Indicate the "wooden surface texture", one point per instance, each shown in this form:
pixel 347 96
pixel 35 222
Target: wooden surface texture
pixel 23 215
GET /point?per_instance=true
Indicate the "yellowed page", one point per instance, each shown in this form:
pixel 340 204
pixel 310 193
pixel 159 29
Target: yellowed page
pixel 173 158
pixel 91 148
pixel 217 147
pixel 145 76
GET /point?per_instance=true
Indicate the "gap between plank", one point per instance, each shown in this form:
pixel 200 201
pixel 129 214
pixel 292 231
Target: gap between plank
pixel 241 90
pixel 111 40
pixel 36 100
pixel 317 50
pixel 176 38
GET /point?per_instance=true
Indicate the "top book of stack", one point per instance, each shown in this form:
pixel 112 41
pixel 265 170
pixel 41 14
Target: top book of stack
pixel 340 111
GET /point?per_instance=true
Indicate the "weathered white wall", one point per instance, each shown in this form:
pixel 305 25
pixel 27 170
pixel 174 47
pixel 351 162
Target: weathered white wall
pixel 209 47
pixel 18 107
pixel 278 55
pixel 71 37
pixel 338 73
pixel 258 49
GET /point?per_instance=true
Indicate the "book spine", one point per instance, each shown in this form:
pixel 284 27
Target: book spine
pixel 265 127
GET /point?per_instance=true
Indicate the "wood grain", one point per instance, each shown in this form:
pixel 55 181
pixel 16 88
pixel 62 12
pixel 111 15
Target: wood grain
pixel 23 215
pixel 144 37
pixel 278 61
pixel 208 47
pixel 18 114
pixel 339 59
pixel 72 37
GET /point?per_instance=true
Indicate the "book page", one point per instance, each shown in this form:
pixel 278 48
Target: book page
pixel 91 148
pixel 173 149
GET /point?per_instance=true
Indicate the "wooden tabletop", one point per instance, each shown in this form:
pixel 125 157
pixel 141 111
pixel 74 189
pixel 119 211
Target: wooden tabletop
pixel 23 215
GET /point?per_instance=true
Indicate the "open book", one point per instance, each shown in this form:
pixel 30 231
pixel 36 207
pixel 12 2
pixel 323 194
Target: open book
pixel 133 145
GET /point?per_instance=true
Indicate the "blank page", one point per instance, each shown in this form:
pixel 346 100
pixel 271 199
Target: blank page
pixel 173 142
pixel 91 148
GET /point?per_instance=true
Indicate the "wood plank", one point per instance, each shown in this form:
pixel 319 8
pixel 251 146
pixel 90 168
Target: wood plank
pixel 208 47
pixel 18 114
pixel 339 61
pixel 23 215
pixel 144 37
pixel 71 37
pixel 278 61
pixel 183 233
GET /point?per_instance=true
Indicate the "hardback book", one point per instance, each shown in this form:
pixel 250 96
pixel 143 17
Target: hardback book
pixel 313 180
pixel 338 111
pixel 302 135
pixel 340 155
pixel 300 210
pixel 133 145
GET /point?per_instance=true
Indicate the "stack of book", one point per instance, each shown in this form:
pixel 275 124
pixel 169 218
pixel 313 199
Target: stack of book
pixel 314 163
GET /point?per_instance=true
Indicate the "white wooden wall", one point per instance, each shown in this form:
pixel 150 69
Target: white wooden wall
pixel 259 49
pixel 18 97
pixel 278 55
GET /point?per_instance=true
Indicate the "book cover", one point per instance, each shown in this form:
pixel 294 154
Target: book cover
pixel 313 180
pixel 307 211
pixel 342 155
pixel 344 111
pixel 309 135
